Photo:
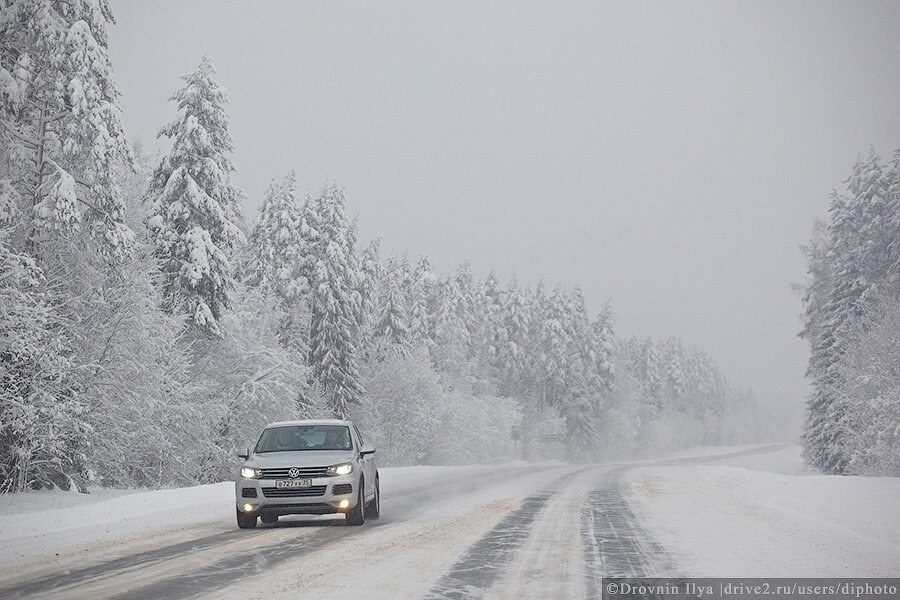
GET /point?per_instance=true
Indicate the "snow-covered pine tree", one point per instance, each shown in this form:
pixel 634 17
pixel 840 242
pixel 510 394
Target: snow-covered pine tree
pixel 869 372
pixel 599 356
pixel 555 342
pixel 854 263
pixel 275 261
pixel 580 396
pixel 673 356
pixel 604 348
pixel 421 302
pixel 335 300
pixel 890 224
pixel 391 325
pixel 275 248
pixel 467 307
pixel 61 130
pixel 493 336
pixel 451 335
pixel 196 209
pixel 514 351
pixel 371 273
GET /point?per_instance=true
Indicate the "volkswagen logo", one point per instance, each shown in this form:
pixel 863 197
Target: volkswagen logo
pixel 293 472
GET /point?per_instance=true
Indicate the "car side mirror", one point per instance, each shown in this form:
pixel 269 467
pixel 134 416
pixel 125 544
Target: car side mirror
pixel 367 450
pixel 243 453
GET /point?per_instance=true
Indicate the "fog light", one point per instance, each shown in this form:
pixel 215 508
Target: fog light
pixel 343 504
pixel 248 507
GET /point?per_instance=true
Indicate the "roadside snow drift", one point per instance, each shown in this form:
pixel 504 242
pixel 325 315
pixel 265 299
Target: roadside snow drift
pixel 43 525
pixel 730 521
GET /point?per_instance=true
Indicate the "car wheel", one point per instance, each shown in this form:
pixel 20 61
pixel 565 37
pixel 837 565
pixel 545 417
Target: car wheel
pixel 245 521
pixel 269 518
pixel 373 510
pixel 357 516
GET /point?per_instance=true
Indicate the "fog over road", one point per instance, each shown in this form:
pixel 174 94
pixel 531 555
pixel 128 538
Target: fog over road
pixel 519 531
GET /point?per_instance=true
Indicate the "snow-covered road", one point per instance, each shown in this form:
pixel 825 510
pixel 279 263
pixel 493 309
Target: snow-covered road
pixel 512 531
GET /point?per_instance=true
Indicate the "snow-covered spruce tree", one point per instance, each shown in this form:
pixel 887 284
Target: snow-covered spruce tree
pixel 275 250
pixel 580 395
pixel 513 351
pixel 555 342
pixel 276 261
pixel 825 443
pixel 335 300
pixel 370 272
pixel 851 264
pixel 451 336
pixel 196 209
pixel 603 351
pixel 493 336
pixel 468 310
pixel 61 129
pixel 869 372
pixel 421 302
pixel 391 330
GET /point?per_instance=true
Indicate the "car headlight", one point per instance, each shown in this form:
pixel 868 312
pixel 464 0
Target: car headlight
pixel 249 473
pixel 341 469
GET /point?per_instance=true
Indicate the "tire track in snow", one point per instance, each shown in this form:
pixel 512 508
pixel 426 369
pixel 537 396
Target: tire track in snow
pixel 487 559
pixel 615 542
pixel 550 563
pixel 581 527
pixel 246 563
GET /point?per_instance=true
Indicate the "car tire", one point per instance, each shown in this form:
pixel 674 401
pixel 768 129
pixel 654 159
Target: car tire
pixel 373 509
pixel 357 516
pixel 245 521
pixel 269 519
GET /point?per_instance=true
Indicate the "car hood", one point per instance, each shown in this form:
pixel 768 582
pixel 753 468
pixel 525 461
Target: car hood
pixel 305 458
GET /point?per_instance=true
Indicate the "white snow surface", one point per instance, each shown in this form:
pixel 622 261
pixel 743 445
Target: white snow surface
pixel 38 527
pixel 730 513
pixel 767 515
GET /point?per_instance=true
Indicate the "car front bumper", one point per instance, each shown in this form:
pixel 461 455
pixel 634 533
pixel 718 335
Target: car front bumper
pixel 324 496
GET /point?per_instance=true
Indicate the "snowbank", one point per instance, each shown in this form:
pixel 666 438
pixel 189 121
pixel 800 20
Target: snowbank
pixel 746 521
pixel 45 524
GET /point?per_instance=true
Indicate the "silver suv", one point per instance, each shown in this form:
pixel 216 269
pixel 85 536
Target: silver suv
pixel 308 467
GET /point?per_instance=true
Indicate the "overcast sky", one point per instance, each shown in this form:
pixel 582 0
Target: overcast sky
pixel 669 156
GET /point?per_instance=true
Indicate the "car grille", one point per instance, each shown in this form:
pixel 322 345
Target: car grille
pixel 282 473
pixel 310 492
pixel 248 492
pixel 341 489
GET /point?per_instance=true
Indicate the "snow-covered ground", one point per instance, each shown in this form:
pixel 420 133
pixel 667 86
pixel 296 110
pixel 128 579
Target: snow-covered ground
pixel 766 515
pixel 50 526
pixel 501 531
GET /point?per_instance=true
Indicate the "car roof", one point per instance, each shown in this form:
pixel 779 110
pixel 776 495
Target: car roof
pixel 311 422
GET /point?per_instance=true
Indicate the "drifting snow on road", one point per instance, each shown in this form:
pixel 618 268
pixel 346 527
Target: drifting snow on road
pixel 511 531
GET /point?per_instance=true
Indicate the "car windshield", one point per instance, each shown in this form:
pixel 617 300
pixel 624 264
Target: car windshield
pixel 293 438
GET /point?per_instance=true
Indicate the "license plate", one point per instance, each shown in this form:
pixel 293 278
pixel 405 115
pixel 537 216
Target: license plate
pixel 293 483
